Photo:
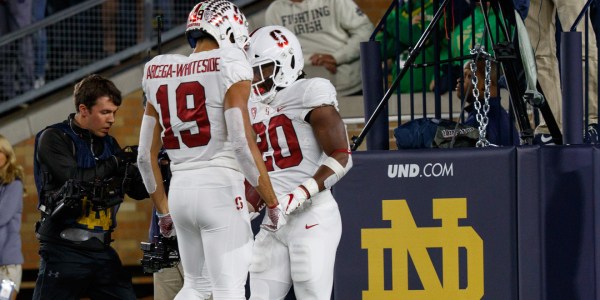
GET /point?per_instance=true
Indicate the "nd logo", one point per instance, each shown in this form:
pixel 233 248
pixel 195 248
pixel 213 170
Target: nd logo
pixel 404 238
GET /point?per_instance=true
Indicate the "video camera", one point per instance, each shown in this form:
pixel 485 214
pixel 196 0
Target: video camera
pixel 162 254
pixel 102 194
pixel 129 154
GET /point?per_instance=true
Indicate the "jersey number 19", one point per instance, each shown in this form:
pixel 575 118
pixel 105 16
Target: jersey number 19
pixel 197 113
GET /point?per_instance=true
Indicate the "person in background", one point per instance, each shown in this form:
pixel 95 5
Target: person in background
pixel 16 58
pixel 595 19
pixel 305 146
pixel 198 113
pixel 541 27
pixel 413 18
pixel 110 10
pixel 11 202
pixel 40 44
pixel 330 32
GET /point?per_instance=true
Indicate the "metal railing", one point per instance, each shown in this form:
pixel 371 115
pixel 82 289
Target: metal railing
pixel 424 86
pixel 84 38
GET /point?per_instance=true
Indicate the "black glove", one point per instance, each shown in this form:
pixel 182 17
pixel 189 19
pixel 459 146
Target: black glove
pixel 66 202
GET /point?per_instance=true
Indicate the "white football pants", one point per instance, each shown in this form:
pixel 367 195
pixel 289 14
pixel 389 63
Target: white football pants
pixel 301 253
pixel 211 219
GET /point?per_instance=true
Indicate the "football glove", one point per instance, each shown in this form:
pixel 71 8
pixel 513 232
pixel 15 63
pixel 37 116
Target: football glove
pixel 275 220
pixel 295 200
pixel 165 222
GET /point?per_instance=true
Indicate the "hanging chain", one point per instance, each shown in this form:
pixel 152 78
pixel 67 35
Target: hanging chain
pixel 482 113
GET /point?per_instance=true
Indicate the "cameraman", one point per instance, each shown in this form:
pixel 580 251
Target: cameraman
pixel 76 220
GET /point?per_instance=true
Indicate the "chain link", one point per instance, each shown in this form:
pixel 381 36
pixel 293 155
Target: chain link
pixel 482 112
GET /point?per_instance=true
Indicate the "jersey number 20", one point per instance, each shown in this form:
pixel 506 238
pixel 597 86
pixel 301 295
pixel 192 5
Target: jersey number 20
pixel 283 123
pixel 197 113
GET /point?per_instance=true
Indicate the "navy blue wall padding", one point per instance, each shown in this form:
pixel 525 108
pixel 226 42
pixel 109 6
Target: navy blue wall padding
pixel 537 210
pixel 486 177
pixel 556 222
pixel 596 197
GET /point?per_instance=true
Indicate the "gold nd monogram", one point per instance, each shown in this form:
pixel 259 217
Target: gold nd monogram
pixel 404 238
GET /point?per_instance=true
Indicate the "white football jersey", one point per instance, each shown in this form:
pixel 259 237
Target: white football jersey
pixel 188 93
pixel 287 142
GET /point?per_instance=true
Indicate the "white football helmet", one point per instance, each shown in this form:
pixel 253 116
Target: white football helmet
pixel 219 18
pixel 279 46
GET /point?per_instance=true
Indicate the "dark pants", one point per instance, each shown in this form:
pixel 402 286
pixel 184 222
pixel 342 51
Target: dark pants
pixel 71 273
pixel 16 58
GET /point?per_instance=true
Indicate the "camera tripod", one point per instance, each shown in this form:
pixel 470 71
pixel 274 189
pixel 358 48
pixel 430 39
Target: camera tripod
pixel 509 58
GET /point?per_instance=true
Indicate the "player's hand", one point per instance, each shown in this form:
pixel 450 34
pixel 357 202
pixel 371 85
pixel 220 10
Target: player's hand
pixel 276 219
pixel 165 222
pixel 254 201
pixel 295 200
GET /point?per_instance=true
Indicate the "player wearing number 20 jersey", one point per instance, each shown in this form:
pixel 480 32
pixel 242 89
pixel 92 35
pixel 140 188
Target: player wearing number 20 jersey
pixel 290 149
pixel 305 148
pixel 197 110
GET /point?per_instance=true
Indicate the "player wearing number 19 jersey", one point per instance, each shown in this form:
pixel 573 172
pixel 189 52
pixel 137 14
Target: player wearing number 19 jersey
pixel 188 92
pixel 197 110
pixel 305 148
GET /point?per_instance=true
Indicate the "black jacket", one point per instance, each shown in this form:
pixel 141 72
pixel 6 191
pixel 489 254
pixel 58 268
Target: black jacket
pixel 56 154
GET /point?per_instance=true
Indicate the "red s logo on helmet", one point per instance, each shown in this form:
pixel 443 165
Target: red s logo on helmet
pixel 281 40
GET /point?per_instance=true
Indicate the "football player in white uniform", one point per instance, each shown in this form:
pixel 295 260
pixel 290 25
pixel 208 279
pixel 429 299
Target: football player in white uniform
pixel 305 148
pixel 197 110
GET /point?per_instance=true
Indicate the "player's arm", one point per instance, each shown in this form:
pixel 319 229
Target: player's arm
pixel 243 140
pixel 330 132
pixel 149 145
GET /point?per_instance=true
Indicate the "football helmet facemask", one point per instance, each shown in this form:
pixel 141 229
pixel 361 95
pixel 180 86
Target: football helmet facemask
pixel 276 57
pixel 221 19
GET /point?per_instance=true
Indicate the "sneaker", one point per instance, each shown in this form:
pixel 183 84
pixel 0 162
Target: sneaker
pixel 542 139
pixel 591 134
